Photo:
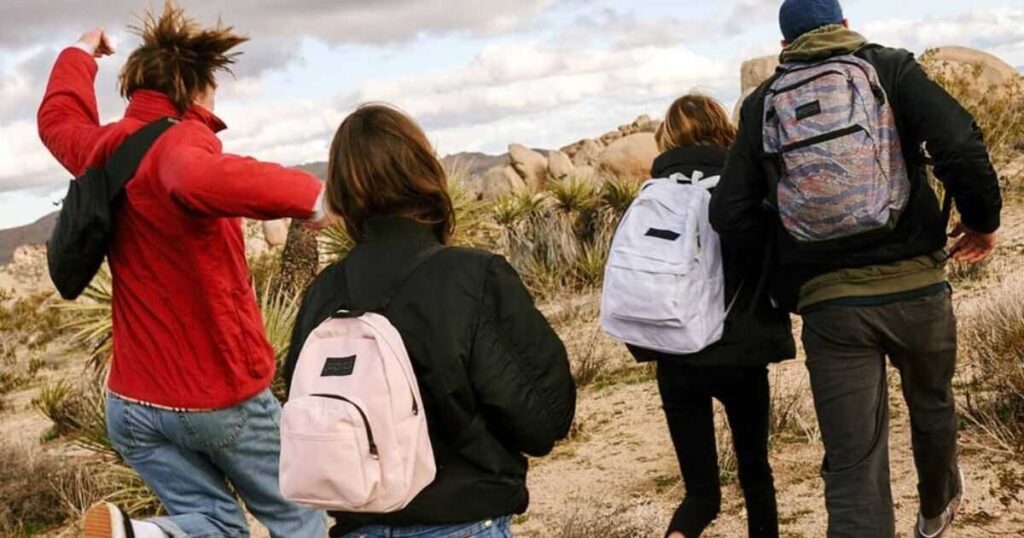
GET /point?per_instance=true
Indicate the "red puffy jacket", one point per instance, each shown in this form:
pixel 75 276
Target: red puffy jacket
pixel 187 329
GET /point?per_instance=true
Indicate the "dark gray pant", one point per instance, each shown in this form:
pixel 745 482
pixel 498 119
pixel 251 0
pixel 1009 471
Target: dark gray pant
pixel 846 348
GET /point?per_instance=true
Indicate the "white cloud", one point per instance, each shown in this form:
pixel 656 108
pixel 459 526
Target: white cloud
pixel 998 30
pixel 504 81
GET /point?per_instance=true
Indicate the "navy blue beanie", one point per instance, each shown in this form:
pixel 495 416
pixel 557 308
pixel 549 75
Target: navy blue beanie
pixel 797 17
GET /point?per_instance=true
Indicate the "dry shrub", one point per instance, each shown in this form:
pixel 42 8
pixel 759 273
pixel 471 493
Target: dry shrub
pixel 791 415
pixel 728 466
pixel 590 520
pixel 998 111
pixel 992 338
pixel 969 273
pixel 40 492
pixel 26 323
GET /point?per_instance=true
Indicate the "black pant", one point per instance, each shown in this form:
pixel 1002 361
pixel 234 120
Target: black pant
pixel 846 350
pixel 686 392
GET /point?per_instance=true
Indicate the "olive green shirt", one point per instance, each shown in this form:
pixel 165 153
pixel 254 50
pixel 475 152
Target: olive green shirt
pixel 888 280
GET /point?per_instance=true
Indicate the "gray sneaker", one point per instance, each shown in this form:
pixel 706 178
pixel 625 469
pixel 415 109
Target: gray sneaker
pixel 937 526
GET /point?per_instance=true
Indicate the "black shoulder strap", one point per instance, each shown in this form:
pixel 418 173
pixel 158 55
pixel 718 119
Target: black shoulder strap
pixel 123 164
pixel 398 282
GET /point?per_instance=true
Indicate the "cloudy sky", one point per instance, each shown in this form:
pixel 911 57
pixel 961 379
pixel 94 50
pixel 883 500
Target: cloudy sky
pixel 478 74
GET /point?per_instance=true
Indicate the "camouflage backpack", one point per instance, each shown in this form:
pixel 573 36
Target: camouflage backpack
pixel 842 173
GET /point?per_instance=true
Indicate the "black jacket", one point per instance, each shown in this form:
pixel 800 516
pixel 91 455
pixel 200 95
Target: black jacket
pixel 494 376
pixel 755 331
pixel 926 117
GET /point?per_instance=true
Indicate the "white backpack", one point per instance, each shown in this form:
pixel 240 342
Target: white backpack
pixel 664 287
pixel 353 433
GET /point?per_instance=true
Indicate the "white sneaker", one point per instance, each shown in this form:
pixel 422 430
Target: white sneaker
pixel 105 520
pixel 937 526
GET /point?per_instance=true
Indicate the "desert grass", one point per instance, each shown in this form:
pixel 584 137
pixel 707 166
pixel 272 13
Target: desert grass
pixel 592 520
pixel 992 339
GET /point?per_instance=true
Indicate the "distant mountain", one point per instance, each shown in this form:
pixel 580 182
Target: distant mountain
pixel 32 234
pixel 473 163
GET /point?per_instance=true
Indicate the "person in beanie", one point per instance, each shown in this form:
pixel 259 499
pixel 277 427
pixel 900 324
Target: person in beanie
pixel 865 297
pixel 188 402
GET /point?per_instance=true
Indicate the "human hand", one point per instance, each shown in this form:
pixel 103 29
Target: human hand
pixel 97 41
pixel 326 221
pixel 971 246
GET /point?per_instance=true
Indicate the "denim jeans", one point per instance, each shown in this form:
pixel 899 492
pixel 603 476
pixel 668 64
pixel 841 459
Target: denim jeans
pixel 492 528
pixel 189 459
pixel 846 351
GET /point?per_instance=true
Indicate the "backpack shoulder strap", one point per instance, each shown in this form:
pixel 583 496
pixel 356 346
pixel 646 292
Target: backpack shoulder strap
pixel 123 164
pixel 398 282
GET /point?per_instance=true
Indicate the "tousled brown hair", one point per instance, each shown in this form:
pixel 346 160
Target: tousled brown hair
pixel 178 57
pixel 381 163
pixel 695 120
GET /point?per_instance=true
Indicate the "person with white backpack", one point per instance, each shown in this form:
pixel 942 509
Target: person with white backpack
pixel 420 374
pixel 697 305
pixel 837 144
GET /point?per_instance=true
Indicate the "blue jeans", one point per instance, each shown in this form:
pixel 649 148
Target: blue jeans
pixel 189 459
pixel 492 528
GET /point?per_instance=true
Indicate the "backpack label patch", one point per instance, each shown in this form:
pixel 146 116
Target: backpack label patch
pixel 339 366
pixel 808 111
pixel 667 235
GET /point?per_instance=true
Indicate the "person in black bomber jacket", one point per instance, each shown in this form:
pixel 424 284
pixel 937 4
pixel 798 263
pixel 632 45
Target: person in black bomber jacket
pixel 694 138
pixel 494 375
pixel 888 298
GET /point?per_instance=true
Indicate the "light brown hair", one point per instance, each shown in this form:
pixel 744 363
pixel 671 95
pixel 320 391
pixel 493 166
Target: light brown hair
pixel 178 57
pixel 381 163
pixel 695 120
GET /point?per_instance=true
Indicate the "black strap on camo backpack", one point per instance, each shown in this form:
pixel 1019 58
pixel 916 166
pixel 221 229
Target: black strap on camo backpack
pixel 80 241
pixel 354 304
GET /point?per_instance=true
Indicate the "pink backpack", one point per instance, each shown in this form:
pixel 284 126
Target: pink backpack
pixel 353 433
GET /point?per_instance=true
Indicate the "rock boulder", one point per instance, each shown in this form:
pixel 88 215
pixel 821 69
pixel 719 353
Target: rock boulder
pixel 630 157
pixel 497 182
pixel 559 165
pixel 275 232
pixel 531 165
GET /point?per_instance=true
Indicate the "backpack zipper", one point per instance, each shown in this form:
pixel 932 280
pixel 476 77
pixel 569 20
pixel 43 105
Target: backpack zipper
pixel 875 88
pixel 806 81
pixel 366 422
pixel 821 138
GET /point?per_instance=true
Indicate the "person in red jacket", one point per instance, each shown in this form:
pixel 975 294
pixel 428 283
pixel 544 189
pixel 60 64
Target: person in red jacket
pixel 188 404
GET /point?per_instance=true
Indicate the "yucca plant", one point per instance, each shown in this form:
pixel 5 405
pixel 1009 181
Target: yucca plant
pixel 617 194
pixel 574 195
pixel 91 320
pixel 280 307
pixel 335 243
pixel 511 209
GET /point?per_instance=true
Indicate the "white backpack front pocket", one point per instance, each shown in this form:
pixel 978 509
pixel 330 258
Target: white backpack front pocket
pixel 329 456
pixel 655 289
